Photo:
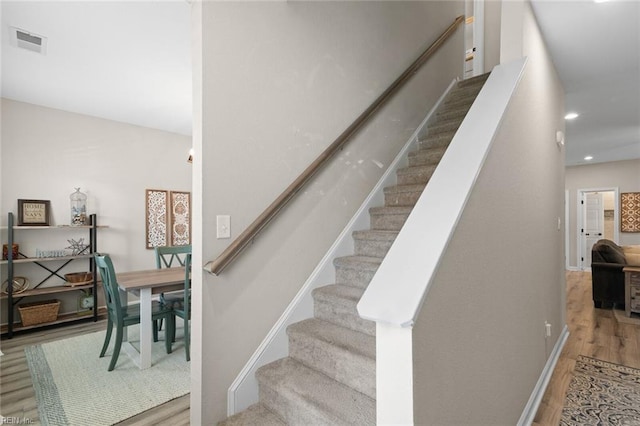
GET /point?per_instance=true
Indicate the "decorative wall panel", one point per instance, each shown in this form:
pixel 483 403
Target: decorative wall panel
pixel 630 212
pixel 168 218
pixel 180 218
pixel 156 217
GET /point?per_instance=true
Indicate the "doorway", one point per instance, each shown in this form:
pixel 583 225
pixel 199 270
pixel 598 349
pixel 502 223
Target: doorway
pixel 474 38
pixel 597 219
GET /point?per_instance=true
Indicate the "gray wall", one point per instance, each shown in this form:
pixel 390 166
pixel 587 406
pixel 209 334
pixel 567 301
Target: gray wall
pixel 624 175
pixel 281 80
pixel 479 342
pixel 492 13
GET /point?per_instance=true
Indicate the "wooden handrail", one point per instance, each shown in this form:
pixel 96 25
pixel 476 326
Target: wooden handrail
pixel 242 241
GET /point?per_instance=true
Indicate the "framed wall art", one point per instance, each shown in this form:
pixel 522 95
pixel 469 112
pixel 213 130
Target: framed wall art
pixel 630 212
pixel 34 212
pixel 180 218
pixel 168 218
pixel 156 201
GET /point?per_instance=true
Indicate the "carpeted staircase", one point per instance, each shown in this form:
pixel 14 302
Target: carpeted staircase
pixel 329 376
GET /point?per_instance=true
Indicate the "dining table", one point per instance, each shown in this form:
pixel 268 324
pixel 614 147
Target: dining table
pixel 145 284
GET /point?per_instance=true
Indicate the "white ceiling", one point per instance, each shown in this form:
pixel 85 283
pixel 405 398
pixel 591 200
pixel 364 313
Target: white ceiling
pixel 130 61
pixel 596 50
pixel 125 61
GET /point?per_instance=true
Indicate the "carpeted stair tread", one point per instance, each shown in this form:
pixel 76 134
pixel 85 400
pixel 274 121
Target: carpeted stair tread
pixel 349 340
pixel 303 396
pixel 442 125
pixel 403 195
pixel 458 103
pixel 475 80
pixel 453 113
pixel 448 118
pixel 365 262
pixel 374 243
pixel 339 294
pixel 414 175
pixel 375 235
pixel 440 140
pixel 424 157
pixel 337 303
pixel 345 355
pixel 391 210
pixel 389 218
pixel 403 188
pixel 255 415
pixel 459 92
pixel 465 91
pixel 451 106
pixel 356 270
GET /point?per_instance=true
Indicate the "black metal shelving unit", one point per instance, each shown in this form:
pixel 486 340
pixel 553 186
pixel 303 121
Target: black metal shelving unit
pixel 13 299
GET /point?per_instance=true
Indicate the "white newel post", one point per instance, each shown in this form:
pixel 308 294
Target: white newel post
pixel 394 374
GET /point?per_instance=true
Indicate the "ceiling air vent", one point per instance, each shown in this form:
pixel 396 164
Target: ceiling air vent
pixel 28 40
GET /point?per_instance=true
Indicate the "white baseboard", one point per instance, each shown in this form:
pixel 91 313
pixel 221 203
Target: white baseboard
pixel 531 408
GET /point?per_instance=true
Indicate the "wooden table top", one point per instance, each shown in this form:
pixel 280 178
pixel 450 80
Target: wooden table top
pixel 151 278
pixel 631 269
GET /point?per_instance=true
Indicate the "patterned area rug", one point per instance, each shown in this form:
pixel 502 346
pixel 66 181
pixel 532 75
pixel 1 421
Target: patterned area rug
pixel 602 393
pixel 73 386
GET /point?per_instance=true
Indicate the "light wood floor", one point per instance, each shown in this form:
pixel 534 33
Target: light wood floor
pixel 17 397
pixel 593 332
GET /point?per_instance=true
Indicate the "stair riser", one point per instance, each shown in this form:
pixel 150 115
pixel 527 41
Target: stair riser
pixel 300 395
pixel 372 248
pixel 439 141
pixel 344 316
pixel 453 113
pixel 459 103
pixel 445 127
pixel 355 371
pixel 460 95
pixel 466 91
pixel 355 277
pixel 453 109
pixel 254 415
pixel 478 80
pixel 388 222
pixel 426 157
pixel 402 199
pixel 292 408
pixel 418 177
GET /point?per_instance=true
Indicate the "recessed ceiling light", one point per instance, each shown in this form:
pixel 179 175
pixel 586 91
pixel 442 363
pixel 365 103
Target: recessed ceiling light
pixel 600 1
pixel 588 157
pixel 571 116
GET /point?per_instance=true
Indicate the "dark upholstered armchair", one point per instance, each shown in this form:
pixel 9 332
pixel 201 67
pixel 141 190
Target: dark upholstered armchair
pixel 607 278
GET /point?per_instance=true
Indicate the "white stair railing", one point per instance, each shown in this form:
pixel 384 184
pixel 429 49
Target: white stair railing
pixel 396 293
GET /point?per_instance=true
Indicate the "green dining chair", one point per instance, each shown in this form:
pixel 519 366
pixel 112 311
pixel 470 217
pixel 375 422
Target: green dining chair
pixel 171 257
pixel 123 316
pixel 182 308
pixel 166 256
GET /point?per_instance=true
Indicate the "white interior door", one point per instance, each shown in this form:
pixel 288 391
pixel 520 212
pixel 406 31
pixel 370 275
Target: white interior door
pixel 593 226
pixel 474 38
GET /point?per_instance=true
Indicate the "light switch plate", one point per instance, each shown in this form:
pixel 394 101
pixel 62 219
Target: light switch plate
pixel 223 226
